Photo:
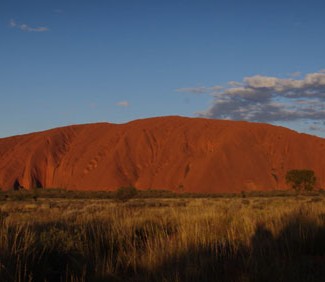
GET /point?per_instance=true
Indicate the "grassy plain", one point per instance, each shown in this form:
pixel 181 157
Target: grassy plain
pixel 244 238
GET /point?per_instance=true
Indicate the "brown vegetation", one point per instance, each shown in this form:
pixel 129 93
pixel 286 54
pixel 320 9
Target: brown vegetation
pixel 180 239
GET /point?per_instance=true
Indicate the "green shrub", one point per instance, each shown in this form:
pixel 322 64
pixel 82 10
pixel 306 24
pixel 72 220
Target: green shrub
pixel 301 179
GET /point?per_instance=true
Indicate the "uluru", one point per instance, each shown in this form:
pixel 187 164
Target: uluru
pixel 171 153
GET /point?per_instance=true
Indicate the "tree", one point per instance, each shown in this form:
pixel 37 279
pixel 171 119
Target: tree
pixel 301 179
pixel 123 194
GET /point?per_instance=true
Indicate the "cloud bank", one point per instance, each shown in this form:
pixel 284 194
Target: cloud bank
pixel 27 28
pixel 269 99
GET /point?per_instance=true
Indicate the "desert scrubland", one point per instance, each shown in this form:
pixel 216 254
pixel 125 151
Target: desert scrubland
pixel 242 238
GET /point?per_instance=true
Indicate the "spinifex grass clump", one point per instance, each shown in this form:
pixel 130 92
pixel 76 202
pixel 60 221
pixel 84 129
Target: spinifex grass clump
pixel 261 239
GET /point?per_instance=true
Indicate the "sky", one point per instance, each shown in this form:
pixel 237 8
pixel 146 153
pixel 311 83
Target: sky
pixel 68 62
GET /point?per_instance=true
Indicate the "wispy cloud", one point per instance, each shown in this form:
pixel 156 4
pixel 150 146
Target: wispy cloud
pixel 193 90
pixel 27 28
pixel 124 104
pixel 199 89
pixel 233 83
pixel 270 99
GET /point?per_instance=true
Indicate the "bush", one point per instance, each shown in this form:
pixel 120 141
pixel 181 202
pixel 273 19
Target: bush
pixel 124 194
pixel 302 179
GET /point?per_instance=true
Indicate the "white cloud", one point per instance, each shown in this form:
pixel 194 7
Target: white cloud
pixel 315 79
pixel 259 81
pixel 124 104
pixel 27 28
pixel 270 99
pixel 233 83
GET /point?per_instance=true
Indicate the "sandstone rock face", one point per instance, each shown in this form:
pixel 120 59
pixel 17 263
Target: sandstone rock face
pixel 172 153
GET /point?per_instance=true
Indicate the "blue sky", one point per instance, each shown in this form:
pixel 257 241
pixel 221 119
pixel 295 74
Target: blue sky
pixel 77 61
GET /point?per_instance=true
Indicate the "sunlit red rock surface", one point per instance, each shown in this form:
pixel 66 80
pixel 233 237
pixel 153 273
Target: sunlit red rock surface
pixel 175 153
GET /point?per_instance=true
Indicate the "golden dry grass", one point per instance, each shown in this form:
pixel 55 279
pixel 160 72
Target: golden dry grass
pixel 220 239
